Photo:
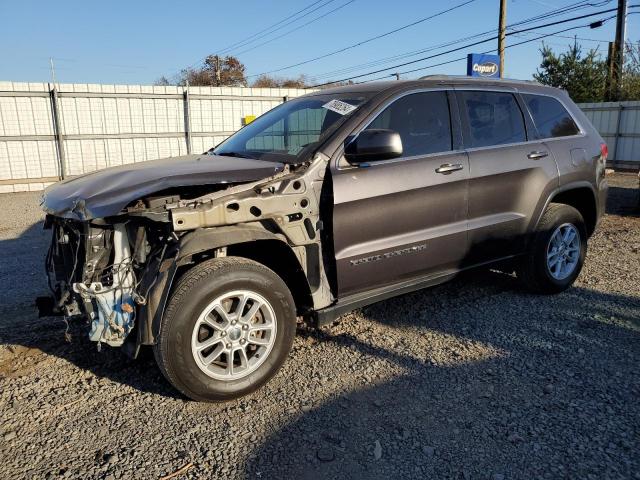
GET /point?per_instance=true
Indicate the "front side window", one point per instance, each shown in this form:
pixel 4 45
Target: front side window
pixel 422 120
pixel 551 118
pixel 289 132
pixel 494 118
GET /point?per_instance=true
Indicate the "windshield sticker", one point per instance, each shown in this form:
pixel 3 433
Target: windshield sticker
pixel 343 108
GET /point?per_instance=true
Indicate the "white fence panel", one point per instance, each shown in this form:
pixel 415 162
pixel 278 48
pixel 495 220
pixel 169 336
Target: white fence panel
pixel 106 125
pixel 619 125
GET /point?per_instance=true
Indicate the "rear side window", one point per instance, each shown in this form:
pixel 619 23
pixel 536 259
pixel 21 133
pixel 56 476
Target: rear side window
pixel 422 120
pixel 494 118
pixel 550 116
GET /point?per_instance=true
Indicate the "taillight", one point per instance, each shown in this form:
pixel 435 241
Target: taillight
pixel 604 152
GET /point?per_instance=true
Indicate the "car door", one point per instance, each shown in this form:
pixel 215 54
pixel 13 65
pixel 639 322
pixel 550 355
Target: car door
pixel 509 171
pixel 406 217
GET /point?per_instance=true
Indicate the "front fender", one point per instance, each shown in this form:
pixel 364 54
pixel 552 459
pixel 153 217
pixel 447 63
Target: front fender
pixel 193 243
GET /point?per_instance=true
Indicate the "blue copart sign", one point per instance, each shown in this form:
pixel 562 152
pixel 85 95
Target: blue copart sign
pixel 481 65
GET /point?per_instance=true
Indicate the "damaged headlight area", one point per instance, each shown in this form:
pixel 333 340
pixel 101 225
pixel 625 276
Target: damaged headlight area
pixel 95 270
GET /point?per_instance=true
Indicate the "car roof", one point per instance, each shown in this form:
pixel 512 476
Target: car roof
pixel 433 81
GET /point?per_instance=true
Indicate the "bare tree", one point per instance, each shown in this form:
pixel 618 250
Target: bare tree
pixel 265 81
pixel 215 71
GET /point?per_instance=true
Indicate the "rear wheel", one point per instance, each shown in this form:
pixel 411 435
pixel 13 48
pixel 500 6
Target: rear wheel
pixel 228 327
pixel 557 252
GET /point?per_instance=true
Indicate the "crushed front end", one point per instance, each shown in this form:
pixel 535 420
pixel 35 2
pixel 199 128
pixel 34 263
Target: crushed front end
pixel 114 263
pixel 96 269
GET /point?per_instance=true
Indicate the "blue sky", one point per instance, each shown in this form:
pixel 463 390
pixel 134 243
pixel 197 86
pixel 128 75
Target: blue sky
pixel 138 41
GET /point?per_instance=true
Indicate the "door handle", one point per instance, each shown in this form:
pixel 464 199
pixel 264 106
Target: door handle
pixel 537 155
pixel 447 168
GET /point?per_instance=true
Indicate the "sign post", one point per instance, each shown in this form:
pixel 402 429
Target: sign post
pixel 482 65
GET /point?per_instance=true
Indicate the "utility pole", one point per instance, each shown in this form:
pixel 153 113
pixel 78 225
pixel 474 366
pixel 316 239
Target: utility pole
pixel 57 129
pixel 618 53
pixel 53 71
pixel 611 66
pixel 217 72
pixel 502 30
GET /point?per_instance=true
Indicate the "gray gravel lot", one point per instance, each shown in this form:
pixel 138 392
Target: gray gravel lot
pixel 470 380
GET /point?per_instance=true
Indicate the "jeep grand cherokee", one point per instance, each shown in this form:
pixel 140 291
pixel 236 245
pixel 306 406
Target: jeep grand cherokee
pixel 326 203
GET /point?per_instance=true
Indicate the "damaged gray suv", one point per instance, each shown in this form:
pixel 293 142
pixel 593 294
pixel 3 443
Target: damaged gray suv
pixel 327 203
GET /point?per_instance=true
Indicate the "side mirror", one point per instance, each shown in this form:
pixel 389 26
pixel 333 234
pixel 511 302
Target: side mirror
pixel 372 145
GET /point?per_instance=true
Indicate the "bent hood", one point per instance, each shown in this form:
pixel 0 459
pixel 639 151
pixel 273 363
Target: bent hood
pixel 106 192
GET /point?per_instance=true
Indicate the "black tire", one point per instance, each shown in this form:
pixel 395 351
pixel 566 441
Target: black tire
pixel 533 271
pixel 191 295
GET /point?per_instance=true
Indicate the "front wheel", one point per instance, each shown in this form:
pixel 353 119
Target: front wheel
pixel 228 328
pixel 557 251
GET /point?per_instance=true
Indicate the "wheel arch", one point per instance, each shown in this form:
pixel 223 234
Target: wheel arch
pixel 583 199
pixel 579 195
pixel 254 243
pixel 247 241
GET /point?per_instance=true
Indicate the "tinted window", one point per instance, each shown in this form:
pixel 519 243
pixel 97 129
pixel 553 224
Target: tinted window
pixel 550 117
pixel 421 119
pixel 494 118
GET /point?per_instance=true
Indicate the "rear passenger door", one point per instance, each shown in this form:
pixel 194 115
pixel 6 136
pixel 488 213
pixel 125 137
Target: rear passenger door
pixel 558 129
pixel 509 170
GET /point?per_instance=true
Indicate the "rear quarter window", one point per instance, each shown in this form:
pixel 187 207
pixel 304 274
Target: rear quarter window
pixel 551 117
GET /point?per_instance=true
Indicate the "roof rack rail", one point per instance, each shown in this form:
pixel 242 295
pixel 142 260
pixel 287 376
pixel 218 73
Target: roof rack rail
pixel 477 79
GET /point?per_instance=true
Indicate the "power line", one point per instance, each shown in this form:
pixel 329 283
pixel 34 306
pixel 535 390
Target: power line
pixel 376 37
pixel 222 50
pixel 522 42
pixel 467 46
pixel 459 59
pixel 278 26
pixel 540 37
pixel 584 39
pixel 400 56
pixel 253 38
pixel 561 11
pixel 297 28
pixel 555 12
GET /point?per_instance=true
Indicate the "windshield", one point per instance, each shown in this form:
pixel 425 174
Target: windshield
pixel 289 132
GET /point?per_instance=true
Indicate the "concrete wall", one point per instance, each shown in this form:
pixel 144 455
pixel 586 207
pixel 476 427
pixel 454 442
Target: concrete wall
pixel 104 125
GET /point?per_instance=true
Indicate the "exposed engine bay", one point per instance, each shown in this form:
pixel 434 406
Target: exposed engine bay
pixel 94 271
pixel 117 271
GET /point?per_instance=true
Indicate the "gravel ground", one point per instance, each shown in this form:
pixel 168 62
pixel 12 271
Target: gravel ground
pixel 470 380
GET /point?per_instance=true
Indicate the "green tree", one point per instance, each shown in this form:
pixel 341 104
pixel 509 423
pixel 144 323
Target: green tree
pixel 583 77
pixel 630 87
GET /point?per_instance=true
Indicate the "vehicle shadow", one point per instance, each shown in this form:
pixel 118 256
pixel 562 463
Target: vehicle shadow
pixel 510 413
pixel 556 397
pixel 22 279
pixel 623 201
